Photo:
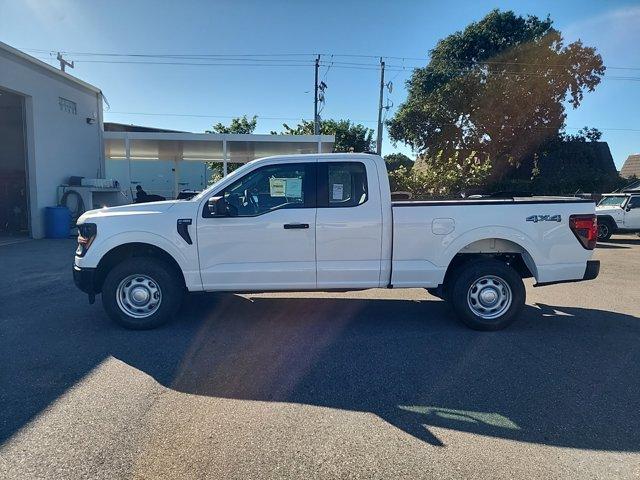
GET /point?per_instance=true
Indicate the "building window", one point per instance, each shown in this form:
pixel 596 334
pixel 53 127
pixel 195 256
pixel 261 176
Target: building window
pixel 67 106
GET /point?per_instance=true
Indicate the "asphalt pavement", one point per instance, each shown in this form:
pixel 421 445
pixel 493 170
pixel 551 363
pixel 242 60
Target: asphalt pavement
pixel 373 384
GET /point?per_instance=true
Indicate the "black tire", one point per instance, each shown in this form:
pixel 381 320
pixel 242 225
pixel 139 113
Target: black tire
pixel 443 292
pixel 168 283
pixel 605 230
pixel 436 292
pixel 503 276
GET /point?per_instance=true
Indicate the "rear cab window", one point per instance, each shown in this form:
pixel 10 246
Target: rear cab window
pixel 342 184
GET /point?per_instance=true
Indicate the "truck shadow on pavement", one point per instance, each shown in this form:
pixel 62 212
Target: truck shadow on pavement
pixel 558 376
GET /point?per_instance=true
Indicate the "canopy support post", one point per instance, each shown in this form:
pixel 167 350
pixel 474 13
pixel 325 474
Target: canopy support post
pixel 224 158
pixel 127 154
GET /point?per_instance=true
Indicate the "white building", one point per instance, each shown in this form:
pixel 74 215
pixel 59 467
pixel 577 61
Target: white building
pixel 50 129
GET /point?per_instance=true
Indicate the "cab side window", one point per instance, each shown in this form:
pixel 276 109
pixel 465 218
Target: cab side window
pixel 271 188
pixel 634 202
pixel 344 184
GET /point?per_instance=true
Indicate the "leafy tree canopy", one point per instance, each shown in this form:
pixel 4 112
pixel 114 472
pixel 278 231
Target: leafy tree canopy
pixel 397 160
pixel 443 177
pixel 498 87
pixel 585 134
pixel 350 137
pixel 237 125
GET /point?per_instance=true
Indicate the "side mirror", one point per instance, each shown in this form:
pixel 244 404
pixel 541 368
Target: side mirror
pixel 217 207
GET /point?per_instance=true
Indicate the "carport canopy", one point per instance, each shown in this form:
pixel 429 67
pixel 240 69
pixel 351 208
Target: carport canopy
pixel 205 147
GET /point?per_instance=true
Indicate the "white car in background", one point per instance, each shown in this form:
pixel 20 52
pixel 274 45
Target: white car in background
pixel 618 213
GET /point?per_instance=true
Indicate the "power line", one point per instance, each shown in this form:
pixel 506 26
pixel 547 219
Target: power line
pixel 249 56
pixel 261 60
pixel 160 114
pixel 369 67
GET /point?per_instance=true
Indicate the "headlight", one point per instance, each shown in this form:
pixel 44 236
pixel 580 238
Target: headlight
pixel 86 233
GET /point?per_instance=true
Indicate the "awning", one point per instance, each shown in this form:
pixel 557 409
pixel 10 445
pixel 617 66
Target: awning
pixel 166 163
pixel 231 148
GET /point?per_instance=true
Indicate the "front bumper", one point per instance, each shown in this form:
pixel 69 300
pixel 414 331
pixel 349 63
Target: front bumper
pixel 84 278
pixel 591 272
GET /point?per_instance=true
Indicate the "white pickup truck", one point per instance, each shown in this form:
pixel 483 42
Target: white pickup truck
pixel 327 222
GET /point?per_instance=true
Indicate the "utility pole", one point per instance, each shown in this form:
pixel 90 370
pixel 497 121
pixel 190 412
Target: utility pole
pixel 379 139
pixel 63 62
pixel 316 125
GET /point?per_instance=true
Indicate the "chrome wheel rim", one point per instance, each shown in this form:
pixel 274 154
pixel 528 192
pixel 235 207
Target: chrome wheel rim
pixel 139 296
pixel 489 297
pixel 603 230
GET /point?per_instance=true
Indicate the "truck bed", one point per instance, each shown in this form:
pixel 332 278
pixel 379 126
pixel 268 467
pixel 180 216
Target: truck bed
pixel 429 235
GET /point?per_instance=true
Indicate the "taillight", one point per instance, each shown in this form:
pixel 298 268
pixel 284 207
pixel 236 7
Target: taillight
pixel 86 234
pixel 585 228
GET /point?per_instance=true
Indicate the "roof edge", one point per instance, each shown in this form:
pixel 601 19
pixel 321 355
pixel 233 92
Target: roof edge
pixel 49 68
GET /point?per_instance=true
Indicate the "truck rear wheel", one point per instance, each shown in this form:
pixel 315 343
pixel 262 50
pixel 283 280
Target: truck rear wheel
pixel 487 294
pixel 141 293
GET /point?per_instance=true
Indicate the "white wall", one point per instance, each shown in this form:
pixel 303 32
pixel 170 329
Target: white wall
pixel 59 144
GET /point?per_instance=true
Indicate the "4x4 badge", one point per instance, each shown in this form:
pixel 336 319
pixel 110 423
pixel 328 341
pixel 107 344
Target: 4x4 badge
pixel 544 218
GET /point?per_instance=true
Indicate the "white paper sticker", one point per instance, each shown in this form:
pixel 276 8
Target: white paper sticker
pixel 294 187
pixel 338 189
pixel 277 187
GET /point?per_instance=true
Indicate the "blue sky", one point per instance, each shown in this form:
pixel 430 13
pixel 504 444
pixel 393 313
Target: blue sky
pixel 198 96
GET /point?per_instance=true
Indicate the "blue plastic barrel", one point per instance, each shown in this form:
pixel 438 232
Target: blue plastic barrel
pixel 57 221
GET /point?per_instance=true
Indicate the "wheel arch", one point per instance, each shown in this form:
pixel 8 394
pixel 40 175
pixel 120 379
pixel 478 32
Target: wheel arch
pixel 608 219
pixel 128 250
pixel 506 250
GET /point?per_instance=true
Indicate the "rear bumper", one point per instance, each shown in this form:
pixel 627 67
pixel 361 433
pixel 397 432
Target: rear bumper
pixel 591 272
pixel 84 279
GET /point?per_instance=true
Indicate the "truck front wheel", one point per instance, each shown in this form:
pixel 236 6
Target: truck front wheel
pixel 487 294
pixel 141 293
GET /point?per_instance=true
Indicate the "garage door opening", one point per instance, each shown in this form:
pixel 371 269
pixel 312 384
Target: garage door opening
pixel 14 208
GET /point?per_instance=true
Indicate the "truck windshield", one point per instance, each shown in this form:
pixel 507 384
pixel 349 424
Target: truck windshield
pixel 612 201
pixel 236 173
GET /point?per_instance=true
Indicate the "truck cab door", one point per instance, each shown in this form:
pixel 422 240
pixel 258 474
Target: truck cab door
pixel 348 224
pixel 632 213
pixel 265 236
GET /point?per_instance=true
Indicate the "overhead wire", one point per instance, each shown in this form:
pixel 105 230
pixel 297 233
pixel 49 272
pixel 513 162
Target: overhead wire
pixel 293 60
pixel 263 56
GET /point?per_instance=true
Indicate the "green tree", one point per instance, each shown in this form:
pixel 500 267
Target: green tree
pixel 237 125
pixel 585 134
pixel 397 160
pixel 498 87
pixel 350 137
pixel 441 176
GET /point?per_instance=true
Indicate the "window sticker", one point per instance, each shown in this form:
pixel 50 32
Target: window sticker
pixel 338 190
pixel 294 187
pixel 277 187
